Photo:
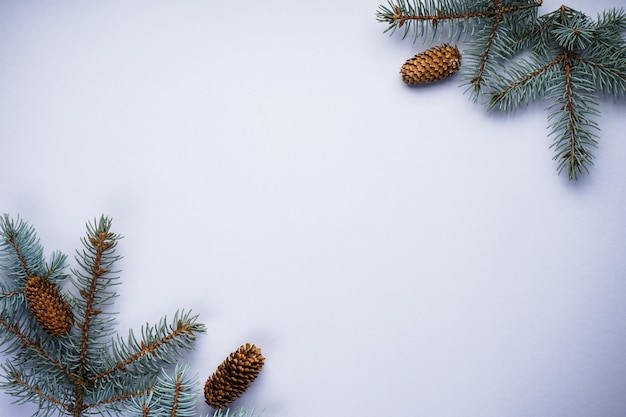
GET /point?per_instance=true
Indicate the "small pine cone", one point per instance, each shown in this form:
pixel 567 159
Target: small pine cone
pixel 232 377
pixel 48 307
pixel 431 65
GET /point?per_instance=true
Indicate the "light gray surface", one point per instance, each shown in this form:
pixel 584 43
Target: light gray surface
pixel 393 251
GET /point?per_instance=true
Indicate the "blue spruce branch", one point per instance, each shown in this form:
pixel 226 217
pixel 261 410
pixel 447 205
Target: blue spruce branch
pixel 514 57
pixel 483 19
pixel 586 57
pixel 173 394
pixel 84 371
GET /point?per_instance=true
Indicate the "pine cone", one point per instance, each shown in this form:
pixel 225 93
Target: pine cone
pixel 232 377
pixel 48 307
pixel 431 65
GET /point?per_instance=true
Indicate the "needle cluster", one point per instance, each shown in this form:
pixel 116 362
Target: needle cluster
pixel 513 57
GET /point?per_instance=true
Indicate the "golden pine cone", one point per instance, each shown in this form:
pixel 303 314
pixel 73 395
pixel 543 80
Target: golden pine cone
pixel 431 65
pixel 233 376
pixel 48 307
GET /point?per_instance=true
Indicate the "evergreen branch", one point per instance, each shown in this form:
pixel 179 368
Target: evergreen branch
pixel 416 14
pixel 35 391
pixel 573 31
pixel 13 305
pixel 54 271
pixel 93 283
pixel 478 79
pixel 21 248
pixel 18 253
pixel 401 16
pixel 26 343
pixel 610 78
pixel 173 395
pixel 177 337
pixel 572 57
pixel 78 373
pixel 141 405
pixel 569 107
pixel 11 294
pixel 612 20
pixel 177 390
pixel 574 138
pixel 117 398
pixel 526 39
pixel 506 99
pixel 145 350
pixel 242 412
pixel 79 404
pixel 102 241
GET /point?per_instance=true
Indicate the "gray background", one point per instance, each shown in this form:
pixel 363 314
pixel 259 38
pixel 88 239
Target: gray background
pixel 393 251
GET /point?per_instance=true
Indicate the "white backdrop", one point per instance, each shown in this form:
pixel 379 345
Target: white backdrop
pixel 393 251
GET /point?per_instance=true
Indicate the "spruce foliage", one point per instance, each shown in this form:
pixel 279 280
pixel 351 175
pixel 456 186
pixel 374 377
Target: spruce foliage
pixel 85 370
pixel 514 57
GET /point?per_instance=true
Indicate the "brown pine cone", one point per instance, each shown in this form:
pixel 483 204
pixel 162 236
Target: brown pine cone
pixel 431 65
pixel 48 307
pixel 233 376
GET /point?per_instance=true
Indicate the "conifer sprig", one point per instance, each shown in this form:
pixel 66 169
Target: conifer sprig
pixel 483 19
pixel 420 17
pixel 514 58
pixel 572 58
pixel 21 254
pixel 241 412
pixel 137 357
pixel 174 395
pixel 83 371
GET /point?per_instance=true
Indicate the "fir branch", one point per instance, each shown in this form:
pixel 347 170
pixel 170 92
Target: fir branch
pixel 25 342
pixel 478 78
pixel 141 405
pixel 79 372
pixel 11 240
pixel 573 127
pixel 176 393
pixel 178 387
pixel 572 58
pixel 155 341
pixel 241 412
pixel 11 294
pixel 484 17
pixel 574 104
pixel 117 398
pixel 515 92
pixel 607 53
pixel 22 254
pixel 610 78
pixel 36 391
pixel 30 384
pixel 55 267
pixel 173 396
pixel 572 31
pixel 93 283
pixel 582 65
pixel 422 15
